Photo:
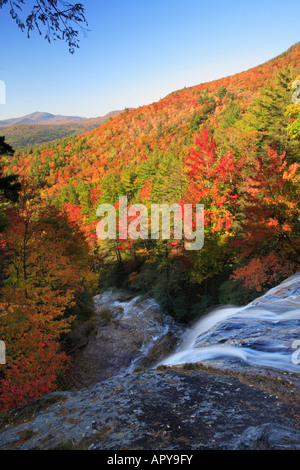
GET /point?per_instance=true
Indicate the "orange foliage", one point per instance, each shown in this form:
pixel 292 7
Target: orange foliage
pixel 264 272
pixel 45 273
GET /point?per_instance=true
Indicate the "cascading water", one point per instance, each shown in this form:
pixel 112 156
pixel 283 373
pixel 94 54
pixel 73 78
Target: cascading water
pixel 155 327
pixel 139 327
pixel 263 333
pixel 133 332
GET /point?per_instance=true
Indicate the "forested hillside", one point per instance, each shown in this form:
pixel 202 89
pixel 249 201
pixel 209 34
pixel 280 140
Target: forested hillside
pixel 232 145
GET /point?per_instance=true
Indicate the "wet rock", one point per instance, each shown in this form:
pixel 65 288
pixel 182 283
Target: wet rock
pixel 248 399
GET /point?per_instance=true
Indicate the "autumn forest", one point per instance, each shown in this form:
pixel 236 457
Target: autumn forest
pixel 232 145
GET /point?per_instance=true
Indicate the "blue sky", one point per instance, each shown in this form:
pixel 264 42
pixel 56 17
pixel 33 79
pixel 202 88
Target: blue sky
pixel 138 51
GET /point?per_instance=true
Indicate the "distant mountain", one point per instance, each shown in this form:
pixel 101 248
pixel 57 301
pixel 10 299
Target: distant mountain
pixel 41 118
pixel 37 128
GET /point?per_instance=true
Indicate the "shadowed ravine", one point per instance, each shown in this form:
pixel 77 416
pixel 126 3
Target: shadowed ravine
pixel 125 333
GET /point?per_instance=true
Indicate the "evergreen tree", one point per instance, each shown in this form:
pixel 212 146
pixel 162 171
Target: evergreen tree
pixel 9 186
pixel 268 117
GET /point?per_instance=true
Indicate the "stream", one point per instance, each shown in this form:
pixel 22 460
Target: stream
pixel 131 332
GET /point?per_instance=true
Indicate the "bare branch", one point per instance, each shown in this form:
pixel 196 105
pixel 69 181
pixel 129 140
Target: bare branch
pixel 56 19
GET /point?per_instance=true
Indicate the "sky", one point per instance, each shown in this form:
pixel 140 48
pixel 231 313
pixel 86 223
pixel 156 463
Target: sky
pixel 138 51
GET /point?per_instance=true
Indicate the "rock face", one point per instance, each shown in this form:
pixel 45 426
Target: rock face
pixel 167 410
pixel 234 402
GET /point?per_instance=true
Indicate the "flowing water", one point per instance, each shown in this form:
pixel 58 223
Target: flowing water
pixel 139 331
pixel 264 333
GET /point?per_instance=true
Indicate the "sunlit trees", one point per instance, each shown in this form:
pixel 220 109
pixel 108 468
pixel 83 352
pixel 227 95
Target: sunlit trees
pixel 45 273
pixel 231 145
pixel 268 117
pixel 269 244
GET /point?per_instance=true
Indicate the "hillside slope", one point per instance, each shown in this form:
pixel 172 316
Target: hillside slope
pixel 40 118
pixel 231 146
pixel 213 143
pixel 160 127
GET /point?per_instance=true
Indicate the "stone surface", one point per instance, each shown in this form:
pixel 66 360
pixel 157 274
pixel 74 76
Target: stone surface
pixel 171 409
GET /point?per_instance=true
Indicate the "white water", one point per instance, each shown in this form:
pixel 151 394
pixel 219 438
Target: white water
pixel 141 316
pixel 155 327
pixel 278 360
pixel 268 326
pixel 259 334
pixel 203 325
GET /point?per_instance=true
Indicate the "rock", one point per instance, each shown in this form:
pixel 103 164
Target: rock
pixel 235 402
pixel 261 334
pixel 267 437
pixel 171 409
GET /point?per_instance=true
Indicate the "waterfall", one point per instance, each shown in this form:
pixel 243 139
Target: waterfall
pixel 262 333
pixel 140 333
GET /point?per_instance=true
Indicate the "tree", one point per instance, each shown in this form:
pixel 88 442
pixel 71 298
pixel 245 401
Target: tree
pixel 56 17
pixel 269 245
pixel 213 181
pixel 293 112
pixel 9 186
pixel 5 148
pixel 268 117
pixel 47 275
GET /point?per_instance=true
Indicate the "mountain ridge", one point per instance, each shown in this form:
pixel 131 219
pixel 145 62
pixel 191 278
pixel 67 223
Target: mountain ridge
pixel 136 133
pixel 46 127
pixel 39 117
pixel 20 133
